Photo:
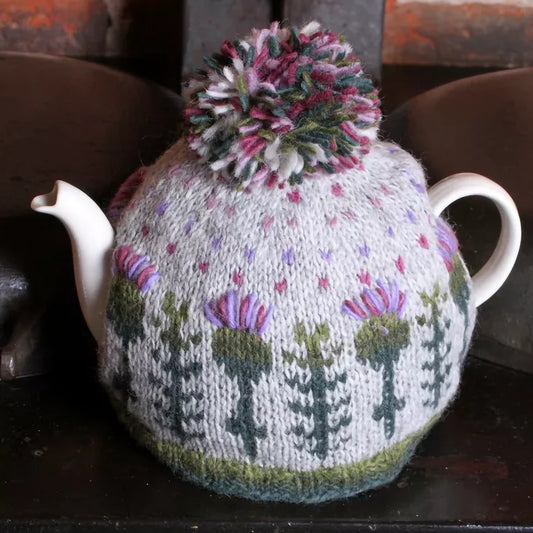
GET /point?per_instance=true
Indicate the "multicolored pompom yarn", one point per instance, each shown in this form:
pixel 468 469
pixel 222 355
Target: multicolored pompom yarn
pixel 281 105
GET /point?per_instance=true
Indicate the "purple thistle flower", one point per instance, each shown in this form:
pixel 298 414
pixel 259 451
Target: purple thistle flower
pixel 247 314
pixel 134 267
pixel 376 302
pixel 447 244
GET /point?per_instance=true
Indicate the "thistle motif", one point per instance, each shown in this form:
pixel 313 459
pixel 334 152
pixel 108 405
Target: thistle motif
pixel 437 366
pixel 447 244
pixel 239 349
pixel 380 341
pixel 317 386
pixel 180 412
pixel 133 275
pixel 448 247
pixel 134 267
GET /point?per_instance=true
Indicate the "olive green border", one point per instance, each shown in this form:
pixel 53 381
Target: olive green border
pixel 233 477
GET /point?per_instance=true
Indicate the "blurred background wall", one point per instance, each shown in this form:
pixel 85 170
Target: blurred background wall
pixel 485 33
pixel 144 36
pixel 151 37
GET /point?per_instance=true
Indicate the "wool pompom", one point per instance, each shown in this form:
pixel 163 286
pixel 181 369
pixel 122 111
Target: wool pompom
pixel 281 105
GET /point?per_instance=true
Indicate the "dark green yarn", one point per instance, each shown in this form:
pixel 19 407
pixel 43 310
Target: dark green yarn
pixel 243 94
pixel 245 358
pixel 273 47
pixel 380 341
pixel 125 311
pixel 247 349
pixel 437 366
pixel 216 62
pixel 250 56
pixel 247 480
pixel 317 385
pixel 458 280
pixel 460 291
pixel 175 417
pixel 364 85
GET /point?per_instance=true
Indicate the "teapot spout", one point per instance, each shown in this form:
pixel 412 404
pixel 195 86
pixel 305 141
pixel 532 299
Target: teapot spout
pixel 91 236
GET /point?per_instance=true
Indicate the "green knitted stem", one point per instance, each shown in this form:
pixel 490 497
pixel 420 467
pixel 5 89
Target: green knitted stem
pixel 246 480
pixel 177 417
pixel 125 311
pixel 461 296
pixel 244 358
pixel 318 385
pixel 438 366
pixel 381 341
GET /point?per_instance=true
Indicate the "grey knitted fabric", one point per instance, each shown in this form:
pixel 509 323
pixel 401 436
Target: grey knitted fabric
pixel 291 343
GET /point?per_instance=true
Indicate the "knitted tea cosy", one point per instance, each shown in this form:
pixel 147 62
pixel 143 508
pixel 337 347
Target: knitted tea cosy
pixel 287 317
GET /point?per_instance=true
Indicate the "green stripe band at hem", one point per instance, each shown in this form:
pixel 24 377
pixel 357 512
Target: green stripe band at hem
pixel 235 478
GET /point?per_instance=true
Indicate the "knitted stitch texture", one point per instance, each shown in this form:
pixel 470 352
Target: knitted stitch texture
pixel 284 342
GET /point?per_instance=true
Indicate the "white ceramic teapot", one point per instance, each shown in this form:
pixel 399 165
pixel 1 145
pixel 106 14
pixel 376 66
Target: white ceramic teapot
pixel 281 312
pixel 92 238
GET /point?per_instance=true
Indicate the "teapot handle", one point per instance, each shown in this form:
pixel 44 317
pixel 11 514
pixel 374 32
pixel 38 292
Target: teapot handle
pixel 496 270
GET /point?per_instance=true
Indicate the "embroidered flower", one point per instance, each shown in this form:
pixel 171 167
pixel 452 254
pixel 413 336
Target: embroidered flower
pixel 135 267
pixel 247 314
pixel 244 356
pixel 380 341
pixel 447 243
pixel 376 302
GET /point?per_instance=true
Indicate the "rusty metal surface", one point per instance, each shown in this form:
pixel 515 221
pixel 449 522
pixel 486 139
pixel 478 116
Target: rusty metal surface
pixel 135 35
pixel 360 21
pixel 482 124
pixel 208 23
pixel 54 26
pixel 162 39
pixel 467 33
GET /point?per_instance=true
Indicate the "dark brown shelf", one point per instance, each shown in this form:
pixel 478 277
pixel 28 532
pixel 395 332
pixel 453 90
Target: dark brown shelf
pixel 65 462
pixel 67 465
